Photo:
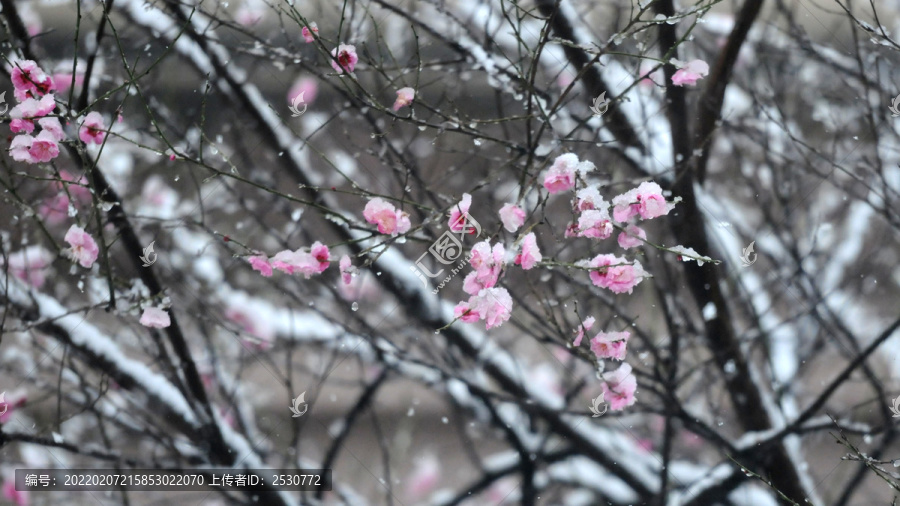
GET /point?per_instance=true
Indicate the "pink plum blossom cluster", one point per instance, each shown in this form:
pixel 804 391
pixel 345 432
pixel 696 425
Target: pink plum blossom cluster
pixel 33 89
pixel 620 385
pixel 307 262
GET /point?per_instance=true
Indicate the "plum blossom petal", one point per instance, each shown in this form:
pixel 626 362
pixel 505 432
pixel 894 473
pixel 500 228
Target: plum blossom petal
pixel 631 237
pixel 155 318
pixel 512 216
pixel 21 125
pixel 585 325
pixel 29 80
pixel 20 148
pixel 53 127
pixel 44 147
pixel 530 254
pixel 689 72
pixel 589 198
pixel 84 250
pixel 619 387
pixel 346 57
pixel 404 97
pixel 610 345
pixel 310 35
pixel 92 129
pixel 261 263
pixel 595 223
pixel 347 269
pixel 389 219
pixel 620 277
pixel 459 213
pixel 493 305
pixel 561 176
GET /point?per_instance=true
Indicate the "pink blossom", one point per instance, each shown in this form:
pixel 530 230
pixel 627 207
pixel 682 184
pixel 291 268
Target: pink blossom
pixel 620 277
pixel 347 269
pixel 21 125
pixel 43 147
pixel 646 200
pixel 84 250
pixel 465 313
pixel 594 223
pixel 30 264
pixel 585 325
pixel 494 305
pixel 346 58
pixel 55 210
pixel 610 345
pixel 20 148
pixel 92 129
pixel 618 387
pixel 488 263
pixel 31 108
pixel 79 189
pixel 29 80
pixel 261 263
pixel 512 217
pixel 530 254
pixel 589 198
pixel 52 126
pixel 561 176
pixel 689 72
pixel 155 318
pixel 307 263
pixel 311 36
pixel 305 85
pixel 14 402
pixel 389 219
pixel 631 237
pixel 424 479
pixel 459 213
pixel 404 98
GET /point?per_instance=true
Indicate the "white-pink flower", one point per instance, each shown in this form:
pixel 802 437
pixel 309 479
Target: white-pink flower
pixel 595 223
pixel 53 127
pixel 589 198
pixel 405 97
pixel 610 345
pixel 388 218
pixel 155 318
pixel 310 35
pixel 512 217
pixel 20 148
pixel 619 276
pixel 646 200
pixel 459 215
pixel 530 254
pixel 631 237
pixel 561 176
pixel 261 263
pixel 32 108
pixel 29 80
pixel 92 129
pixel 688 73
pixel 347 270
pixel 493 305
pixel 487 262
pixel 619 387
pixel 84 250
pixel 30 264
pixel 308 263
pixel 43 147
pixel 346 57
pixel 585 326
